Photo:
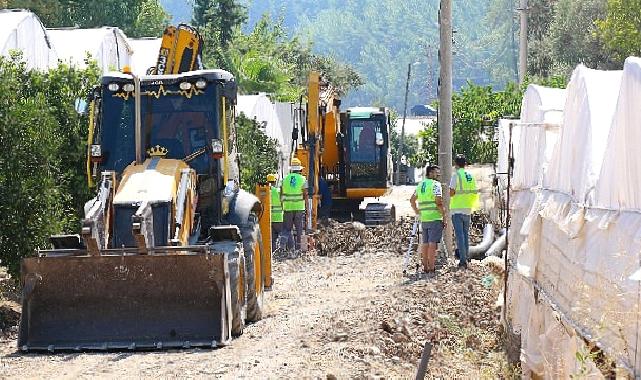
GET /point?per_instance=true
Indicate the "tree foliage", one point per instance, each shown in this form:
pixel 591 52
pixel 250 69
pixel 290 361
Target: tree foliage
pixel 621 28
pixel 563 34
pixel 42 161
pixel 258 153
pixel 218 21
pixel 476 111
pixel 152 20
pixel 379 39
pixel 136 18
pixel 266 60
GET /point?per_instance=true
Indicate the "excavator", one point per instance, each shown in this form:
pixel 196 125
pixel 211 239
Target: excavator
pixel 171 252
pixel 350 151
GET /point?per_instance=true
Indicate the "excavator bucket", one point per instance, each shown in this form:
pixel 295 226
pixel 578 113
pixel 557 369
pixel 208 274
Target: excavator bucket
pixel 114 302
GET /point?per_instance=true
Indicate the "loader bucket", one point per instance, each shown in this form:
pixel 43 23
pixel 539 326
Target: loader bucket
pixel 124 302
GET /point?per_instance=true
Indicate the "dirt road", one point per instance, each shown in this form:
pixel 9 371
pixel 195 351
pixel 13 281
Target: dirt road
pixel 348 316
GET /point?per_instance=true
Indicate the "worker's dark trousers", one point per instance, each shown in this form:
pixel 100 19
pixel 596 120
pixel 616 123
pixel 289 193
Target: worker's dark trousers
pixel 293 219
pixel 277 228
pixel 461 224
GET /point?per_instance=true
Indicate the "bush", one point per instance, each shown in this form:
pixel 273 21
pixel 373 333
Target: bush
pixel 42 183
pixel 258 154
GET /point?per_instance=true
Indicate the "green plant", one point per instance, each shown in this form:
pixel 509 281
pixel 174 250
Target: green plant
pixel 621 28
pixel 42 182
pixel 258 153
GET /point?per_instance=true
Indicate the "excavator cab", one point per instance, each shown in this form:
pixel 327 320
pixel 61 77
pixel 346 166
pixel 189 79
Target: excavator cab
pixel 367 164
pixel 367 153
pixel 170 251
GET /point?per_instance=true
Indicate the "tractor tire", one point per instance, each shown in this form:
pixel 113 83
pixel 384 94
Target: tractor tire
pixel 238 284
pixel 251 241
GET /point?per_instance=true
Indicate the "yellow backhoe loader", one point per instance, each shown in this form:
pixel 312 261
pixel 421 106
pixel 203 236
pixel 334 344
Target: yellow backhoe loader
pixel 170 252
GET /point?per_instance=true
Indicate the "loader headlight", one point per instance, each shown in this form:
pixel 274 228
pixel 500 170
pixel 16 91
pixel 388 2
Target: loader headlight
pixel 217 148
pixel 201 84
pixel 185 86
pixel 113 87
pixel 129 87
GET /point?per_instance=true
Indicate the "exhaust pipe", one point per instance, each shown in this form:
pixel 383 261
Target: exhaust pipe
pixel 488 237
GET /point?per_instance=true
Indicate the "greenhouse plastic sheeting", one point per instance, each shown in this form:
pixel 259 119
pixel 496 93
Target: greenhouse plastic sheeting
pixel 107 45
pixel 285 113
pixel 541 114
pixel 576 237
pixel 145 54
pixel 590 106
pixel 620 179
pixel 22 31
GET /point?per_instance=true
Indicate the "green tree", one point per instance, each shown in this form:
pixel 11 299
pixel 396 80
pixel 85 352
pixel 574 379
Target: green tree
pixel 573 34
pixel 93 14
pixel 49 11
pixel 621 28
pixel 258 153
pixel 540 15
pixel 267 60
pixel 500 41
pixel 42 164
pixel 84 14
pixel 218 21
pixel 151 20
pixel 476 111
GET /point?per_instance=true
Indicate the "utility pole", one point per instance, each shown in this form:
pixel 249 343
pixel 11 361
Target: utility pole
pixel 445 111
pixel 402 137
pixel 523 42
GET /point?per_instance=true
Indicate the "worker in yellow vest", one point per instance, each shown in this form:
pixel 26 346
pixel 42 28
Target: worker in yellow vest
pixel 464 200
pixel 431 213
pixel 293 194
pixel 276 210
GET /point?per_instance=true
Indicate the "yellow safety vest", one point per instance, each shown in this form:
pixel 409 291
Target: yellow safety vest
pixel 427 201
pixel 277 207
pixel 466 195
pixel 293 199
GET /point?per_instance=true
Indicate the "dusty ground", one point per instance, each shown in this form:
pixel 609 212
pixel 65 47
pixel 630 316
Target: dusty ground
pixel 345 315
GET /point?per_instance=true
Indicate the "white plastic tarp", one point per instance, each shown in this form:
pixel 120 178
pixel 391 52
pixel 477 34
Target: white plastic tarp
pixel 145 54
pixel 107 45
pixel 285 113
pixel 589 109
pixel 541 114
pixel 580 249
pixel 619 184
pixel 22 30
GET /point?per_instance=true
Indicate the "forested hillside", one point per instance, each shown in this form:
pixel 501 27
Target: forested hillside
pixel 380 38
